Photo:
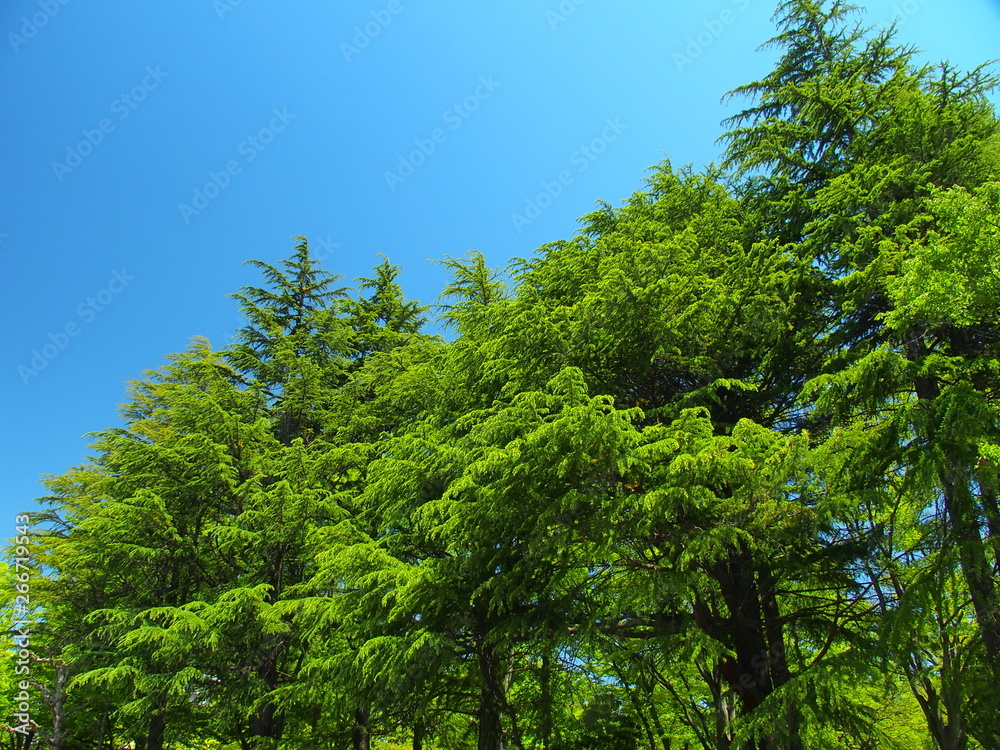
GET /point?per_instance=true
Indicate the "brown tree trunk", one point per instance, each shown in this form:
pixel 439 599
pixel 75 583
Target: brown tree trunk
pixel 749 674
pixel 777 657
pixel 756 633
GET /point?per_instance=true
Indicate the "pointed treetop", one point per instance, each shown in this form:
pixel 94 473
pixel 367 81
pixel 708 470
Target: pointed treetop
pixel 828 86
pixel 385 318
pixel 474 286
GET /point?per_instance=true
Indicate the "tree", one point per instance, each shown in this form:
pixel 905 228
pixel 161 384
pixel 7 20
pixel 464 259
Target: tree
pixel 385 319
pixel 296 346
pixel 133 538
pixel 721 470
pixel 850 142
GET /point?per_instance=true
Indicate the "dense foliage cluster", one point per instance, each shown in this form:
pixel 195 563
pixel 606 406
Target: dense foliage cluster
pixel 718 472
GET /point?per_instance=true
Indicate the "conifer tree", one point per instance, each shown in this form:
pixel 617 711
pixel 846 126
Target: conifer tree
pixel 853 142
pixel 133 538
pixel 384 319
pixel 720 470
pixel 296 344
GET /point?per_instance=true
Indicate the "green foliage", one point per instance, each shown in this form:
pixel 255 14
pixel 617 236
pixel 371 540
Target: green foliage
pixel 719 471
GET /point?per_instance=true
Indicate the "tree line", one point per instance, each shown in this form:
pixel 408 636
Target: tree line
pixel 720 471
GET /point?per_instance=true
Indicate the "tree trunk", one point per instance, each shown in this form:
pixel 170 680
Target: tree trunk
pixel 546 708
pixel 157 729
pixel 991 509
pixel 749 674
pixel 491 700
pixel 754 625
pixel 955 477
pixel 362 739
pixel 55 699
pixel 268 721
pixel 777 657
pixel 22 741
pixel 966 530
pixel 102 729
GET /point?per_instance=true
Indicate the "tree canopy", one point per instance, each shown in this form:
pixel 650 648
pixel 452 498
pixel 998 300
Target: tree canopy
pixel 719 471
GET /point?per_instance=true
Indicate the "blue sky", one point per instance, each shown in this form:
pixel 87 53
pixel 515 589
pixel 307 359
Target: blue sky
pixel 151 148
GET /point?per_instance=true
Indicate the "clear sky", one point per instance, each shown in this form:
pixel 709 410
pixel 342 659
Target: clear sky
pixel 151 148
